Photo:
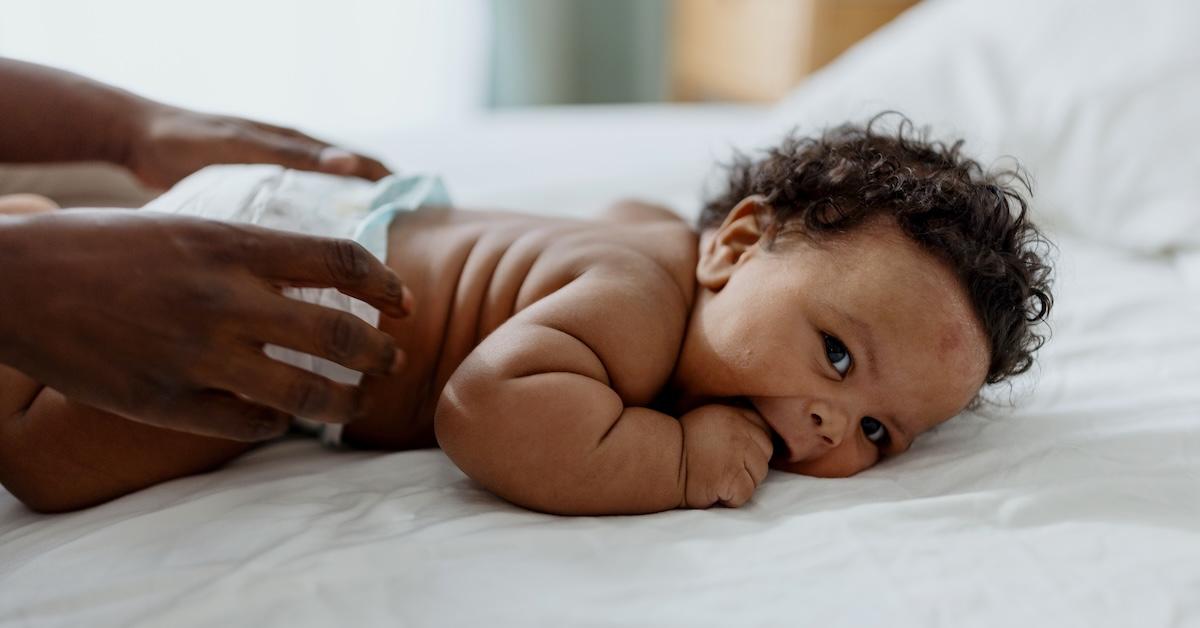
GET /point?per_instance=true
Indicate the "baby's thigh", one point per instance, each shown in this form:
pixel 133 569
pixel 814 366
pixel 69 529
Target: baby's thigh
pixel 58 455
pixel 25 204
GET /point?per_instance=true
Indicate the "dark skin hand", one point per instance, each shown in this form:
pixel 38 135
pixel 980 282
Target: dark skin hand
pixel 173 143
pixel 162 319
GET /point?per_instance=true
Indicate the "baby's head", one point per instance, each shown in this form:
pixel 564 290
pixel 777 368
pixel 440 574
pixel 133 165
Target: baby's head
pixel 858 289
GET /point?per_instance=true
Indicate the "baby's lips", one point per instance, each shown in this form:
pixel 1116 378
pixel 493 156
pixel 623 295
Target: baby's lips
pixel 780 450
pixel 786 446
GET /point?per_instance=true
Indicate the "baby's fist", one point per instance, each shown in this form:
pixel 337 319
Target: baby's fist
pixel 727 452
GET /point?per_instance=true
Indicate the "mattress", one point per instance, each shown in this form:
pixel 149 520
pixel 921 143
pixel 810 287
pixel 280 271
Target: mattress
pixel 1072 498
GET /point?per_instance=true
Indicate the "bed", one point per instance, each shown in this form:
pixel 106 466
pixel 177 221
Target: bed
pixel 1071 500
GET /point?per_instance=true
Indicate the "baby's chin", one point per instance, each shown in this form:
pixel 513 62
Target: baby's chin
pixel 819 468
pixel 828 464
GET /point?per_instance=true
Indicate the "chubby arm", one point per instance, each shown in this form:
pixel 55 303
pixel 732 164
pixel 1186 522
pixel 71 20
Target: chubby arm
pixel 536 412
pixel 548 411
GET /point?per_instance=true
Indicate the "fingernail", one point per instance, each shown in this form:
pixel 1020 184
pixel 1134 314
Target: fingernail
pixel 407 300
pixel 397 362
pixel 395 291
pixel 336 160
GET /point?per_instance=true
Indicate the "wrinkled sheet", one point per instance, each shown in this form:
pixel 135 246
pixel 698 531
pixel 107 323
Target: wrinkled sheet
pixel 1074 500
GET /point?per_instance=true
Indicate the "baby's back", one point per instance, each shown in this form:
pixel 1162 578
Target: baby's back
pixel 471 271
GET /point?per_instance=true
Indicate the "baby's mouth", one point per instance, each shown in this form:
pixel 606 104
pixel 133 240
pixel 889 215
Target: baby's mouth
pixel 781 451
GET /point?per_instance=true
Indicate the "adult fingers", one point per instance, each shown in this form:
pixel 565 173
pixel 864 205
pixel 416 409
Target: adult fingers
pixel 352 164
pixel 253 145
pixel 336 336
pixel 298 260
pixel 267 127
pixel 297 150
pixel 220 414
pixel 290 389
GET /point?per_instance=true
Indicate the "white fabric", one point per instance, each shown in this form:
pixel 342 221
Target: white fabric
pixel 1098 99
pixel 1080 507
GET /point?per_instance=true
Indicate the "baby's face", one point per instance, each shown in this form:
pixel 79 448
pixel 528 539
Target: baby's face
pixel 849 347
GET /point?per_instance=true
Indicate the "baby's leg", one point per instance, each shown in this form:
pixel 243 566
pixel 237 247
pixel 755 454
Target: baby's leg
pixel 58 455
pixel 25 204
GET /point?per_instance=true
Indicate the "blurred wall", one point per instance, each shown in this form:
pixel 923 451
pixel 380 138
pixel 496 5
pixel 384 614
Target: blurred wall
pixel 349 67
pixel 577 51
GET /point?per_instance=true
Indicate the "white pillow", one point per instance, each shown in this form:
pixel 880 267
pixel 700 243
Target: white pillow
pixel 1100 101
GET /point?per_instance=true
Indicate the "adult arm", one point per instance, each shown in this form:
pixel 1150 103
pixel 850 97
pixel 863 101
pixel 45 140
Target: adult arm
pixel 54 116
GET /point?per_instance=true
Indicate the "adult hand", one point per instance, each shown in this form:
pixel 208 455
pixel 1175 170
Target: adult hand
pixel 163 319
pixel 170 143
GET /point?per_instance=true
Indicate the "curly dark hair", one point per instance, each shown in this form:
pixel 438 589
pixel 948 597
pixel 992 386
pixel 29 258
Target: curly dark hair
pixel 975 220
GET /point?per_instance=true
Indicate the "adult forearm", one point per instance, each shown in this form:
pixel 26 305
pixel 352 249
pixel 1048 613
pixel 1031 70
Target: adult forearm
pixel 49 115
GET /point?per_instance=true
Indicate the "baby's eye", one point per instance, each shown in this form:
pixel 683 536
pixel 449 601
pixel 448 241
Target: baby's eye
pixel 837 354
pixel 875 431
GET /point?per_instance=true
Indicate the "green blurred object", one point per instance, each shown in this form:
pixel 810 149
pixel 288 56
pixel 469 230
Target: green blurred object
pixel 546 52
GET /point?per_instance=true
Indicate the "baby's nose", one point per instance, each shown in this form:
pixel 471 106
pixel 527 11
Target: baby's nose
pixel 830 428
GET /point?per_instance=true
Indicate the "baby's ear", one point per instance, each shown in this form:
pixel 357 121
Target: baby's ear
pixel 738 237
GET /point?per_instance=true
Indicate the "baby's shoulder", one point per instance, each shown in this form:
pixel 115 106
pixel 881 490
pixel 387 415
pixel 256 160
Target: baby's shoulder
pixel 659 249
pixel 631 299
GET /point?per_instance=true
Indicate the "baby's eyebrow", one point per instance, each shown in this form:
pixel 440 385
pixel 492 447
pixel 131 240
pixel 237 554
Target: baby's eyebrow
pixel 863 331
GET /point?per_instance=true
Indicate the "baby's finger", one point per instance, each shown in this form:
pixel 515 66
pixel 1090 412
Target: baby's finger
pixel 758 468
pixel 755 418
pixel 741 489
pixel 762 438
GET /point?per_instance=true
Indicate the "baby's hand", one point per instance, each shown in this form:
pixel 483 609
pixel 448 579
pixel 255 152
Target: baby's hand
pixel 727 451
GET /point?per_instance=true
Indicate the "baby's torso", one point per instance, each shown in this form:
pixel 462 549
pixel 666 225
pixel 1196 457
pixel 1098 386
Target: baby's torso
pixel 472 271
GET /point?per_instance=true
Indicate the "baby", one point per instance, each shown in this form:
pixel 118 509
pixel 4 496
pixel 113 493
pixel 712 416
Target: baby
pixel 843 294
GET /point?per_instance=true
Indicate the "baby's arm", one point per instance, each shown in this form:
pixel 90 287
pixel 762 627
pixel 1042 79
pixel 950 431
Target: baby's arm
pixel 540 412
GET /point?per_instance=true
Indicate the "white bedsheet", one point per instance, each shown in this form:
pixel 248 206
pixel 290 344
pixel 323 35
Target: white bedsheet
pixel 1080 507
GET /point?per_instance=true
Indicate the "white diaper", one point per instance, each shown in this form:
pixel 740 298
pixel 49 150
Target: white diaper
pixel 314 204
